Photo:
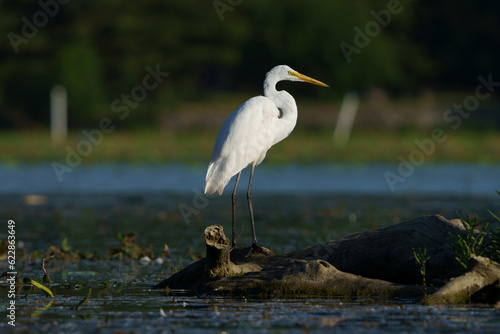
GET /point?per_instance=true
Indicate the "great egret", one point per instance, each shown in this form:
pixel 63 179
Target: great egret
pixel 249 132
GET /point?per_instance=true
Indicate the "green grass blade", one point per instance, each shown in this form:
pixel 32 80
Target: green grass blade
pixel 84 300
pixel 42 287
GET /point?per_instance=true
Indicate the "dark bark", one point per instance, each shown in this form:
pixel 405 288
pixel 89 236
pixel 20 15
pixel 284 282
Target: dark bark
pixel 378 263
pixel 387 253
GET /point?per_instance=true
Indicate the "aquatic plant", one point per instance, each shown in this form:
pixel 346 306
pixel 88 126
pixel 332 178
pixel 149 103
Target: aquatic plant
pixel 421 259
pixel 475 239
pixel 494 249
pixel 469 241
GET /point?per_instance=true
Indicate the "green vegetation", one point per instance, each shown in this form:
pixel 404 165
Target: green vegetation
pixel 39 286
pixel 495 240
pixel 494 249
pixel 477 240
pixel 302 146
pixel 474 239
pixel 100 50
pixel 130 249
pixel 470 242
pixel 84 300
pixel 421 259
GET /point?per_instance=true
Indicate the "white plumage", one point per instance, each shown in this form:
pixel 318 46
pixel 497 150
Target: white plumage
pixel 250 131
pixel 244 139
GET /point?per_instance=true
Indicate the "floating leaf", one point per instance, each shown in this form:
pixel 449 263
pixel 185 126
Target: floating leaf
pixel 41 287
pixel 65 245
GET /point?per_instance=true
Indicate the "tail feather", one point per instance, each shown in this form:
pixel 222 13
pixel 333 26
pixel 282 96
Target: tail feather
pixel 215 180
pixel 209 185
pixel 220 172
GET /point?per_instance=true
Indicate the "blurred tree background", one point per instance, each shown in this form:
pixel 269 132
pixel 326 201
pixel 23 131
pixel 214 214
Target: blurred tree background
pixel 100 49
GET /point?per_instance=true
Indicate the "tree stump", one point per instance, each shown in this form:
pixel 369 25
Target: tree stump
pixel 217 263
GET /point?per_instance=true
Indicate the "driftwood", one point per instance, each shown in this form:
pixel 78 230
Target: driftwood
pixel 378 263
pixel 482 273
pixel 387 253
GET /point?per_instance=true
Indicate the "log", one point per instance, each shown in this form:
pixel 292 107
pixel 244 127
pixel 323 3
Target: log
pixel 376 263
pixel 481 273
pixel 387 253
pixel 299 278
pixel 190 278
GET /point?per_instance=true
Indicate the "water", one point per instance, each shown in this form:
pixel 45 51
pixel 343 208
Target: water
pixel 295 207
pixel 136 309
pixel 465 179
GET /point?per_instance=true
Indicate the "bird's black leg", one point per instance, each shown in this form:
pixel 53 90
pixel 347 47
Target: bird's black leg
pixel 234 209
pixel 250 208
pixel 255 246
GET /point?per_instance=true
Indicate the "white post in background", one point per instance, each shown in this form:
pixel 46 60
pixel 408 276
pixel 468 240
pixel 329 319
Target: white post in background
pixel 58 115
pixel 346 118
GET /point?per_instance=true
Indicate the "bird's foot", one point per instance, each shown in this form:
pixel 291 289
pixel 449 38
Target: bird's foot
pixel 258 249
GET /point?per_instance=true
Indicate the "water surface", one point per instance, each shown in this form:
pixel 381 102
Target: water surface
pixel 465 179
pixel 295 207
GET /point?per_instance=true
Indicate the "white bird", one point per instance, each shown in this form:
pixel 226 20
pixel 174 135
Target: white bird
pixel 249 132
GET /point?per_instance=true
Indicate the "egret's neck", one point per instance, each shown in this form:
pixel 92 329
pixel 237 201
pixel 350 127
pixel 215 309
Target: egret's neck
pixel 282 99
pixel 270 86
pixel 286 103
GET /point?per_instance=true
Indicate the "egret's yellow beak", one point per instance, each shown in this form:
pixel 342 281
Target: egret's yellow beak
pixel 305 78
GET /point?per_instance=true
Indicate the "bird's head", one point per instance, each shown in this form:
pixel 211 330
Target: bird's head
pixel 285 72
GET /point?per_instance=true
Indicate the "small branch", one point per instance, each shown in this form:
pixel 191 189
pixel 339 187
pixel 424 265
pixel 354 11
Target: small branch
pixel 46 277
